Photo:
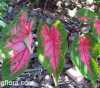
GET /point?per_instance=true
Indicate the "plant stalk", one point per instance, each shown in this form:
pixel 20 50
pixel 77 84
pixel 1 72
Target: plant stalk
pixel 55 82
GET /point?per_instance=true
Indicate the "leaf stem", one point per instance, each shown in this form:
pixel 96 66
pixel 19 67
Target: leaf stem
pixel 91 77
pixel 55 82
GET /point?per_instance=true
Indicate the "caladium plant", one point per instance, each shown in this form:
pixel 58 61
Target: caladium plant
pixel 85 48
pixel 52 47
pixel 19 43
pixel 83 58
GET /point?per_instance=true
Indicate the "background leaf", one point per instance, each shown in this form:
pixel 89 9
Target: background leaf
pixel 97 1
pixel 86 12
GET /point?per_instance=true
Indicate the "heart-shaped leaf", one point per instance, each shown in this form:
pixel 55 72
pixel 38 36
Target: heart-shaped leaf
pixel 52 47
pixel 19 43
pixel 93 68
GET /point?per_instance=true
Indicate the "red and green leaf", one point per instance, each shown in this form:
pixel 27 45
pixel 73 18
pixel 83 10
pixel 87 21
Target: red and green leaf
pixel 80 64
pixel 19 43
pixel 52 47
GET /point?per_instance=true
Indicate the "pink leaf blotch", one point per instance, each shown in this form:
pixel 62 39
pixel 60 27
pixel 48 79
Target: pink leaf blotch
pixel 84 46
pixel 83 18
pixel 51 44
pixel 21 48
pixel 97 26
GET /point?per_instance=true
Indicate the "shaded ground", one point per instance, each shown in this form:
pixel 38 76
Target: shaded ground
pixel 39 78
